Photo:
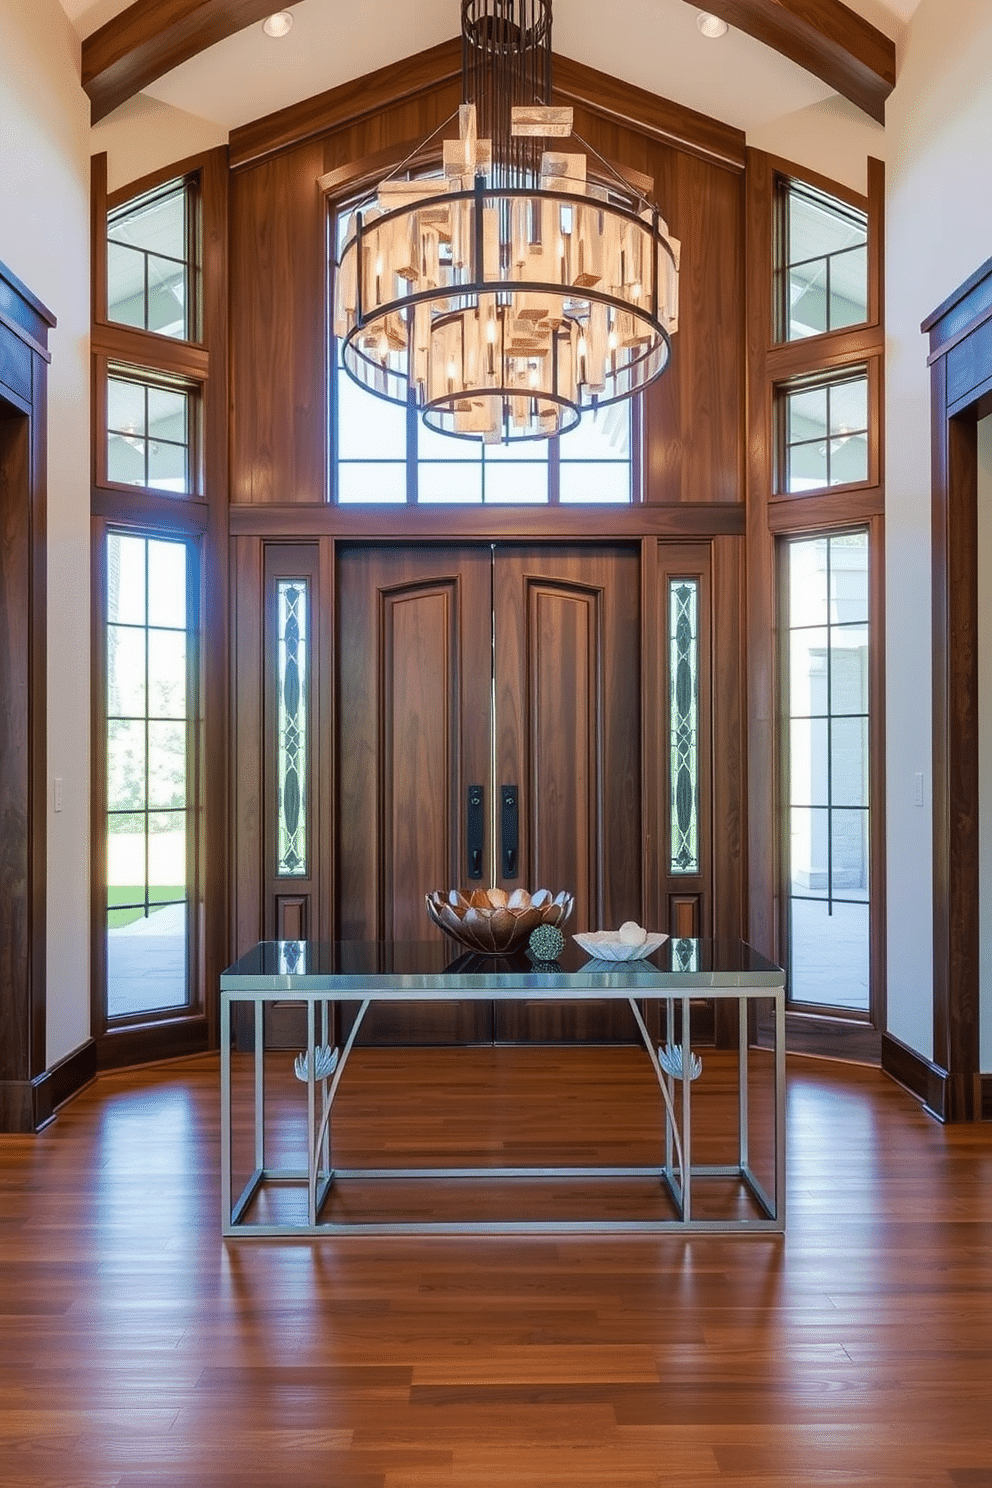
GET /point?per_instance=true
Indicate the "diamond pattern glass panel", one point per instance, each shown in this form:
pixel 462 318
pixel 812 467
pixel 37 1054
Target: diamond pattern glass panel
pixel 683 610
pixel 293 601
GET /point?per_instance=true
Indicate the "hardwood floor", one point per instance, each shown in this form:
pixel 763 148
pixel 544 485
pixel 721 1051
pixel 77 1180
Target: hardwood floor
pixel 138 1349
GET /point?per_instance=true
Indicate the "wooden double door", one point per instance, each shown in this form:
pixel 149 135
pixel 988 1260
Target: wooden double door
pixel 489 733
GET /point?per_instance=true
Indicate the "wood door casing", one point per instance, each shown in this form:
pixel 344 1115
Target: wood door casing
pixel 568 735
pixel 414 660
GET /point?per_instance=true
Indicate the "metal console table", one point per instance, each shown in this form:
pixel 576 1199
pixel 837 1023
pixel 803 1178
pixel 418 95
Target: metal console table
pixel 321 974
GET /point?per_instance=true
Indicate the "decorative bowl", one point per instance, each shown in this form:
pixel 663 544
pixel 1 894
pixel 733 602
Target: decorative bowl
pixel 606 945
pixel 494 922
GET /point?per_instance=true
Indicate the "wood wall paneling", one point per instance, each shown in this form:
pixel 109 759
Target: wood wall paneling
pixel 278 286
pixel 246 734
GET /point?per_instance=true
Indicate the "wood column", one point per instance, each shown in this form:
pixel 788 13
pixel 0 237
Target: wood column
pixel 25 1099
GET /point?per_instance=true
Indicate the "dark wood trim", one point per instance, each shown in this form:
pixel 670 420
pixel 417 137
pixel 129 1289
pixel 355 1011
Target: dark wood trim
pixel 788 171
pixel 215 412
pixel 98 239
pixel 148 1043
pixel 146 351
pixel 761 619
pixel 968 300
pixel 624 103
pixel 805 513
pixel 138 508
pixel 346 104
pixel 150 38
pixel 920 1076
pixel 822 353
pixel 28 317
pixel 956 969
pixel 402 523
pixel 64 1080
pixel 24 359
pixel 826 38
pixel 828 1035
pixel 610 98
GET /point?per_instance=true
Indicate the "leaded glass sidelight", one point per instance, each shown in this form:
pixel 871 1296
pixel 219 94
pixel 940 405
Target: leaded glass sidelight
pixel 293 602
pixel 683 670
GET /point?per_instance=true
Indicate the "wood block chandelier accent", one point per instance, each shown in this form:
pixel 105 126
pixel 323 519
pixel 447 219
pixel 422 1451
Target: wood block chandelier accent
pixel 523 288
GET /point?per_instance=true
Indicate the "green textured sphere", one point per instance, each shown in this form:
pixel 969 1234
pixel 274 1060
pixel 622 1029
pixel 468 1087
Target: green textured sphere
pixel 546 943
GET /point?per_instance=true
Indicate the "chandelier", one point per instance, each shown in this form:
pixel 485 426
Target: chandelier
pixel 523 288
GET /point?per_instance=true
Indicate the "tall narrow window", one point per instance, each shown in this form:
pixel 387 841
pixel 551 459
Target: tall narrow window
pixel 823 263
pixel 150 709
pixel 827 770
pixel 292 712
pixel 683 671
pixel 151 261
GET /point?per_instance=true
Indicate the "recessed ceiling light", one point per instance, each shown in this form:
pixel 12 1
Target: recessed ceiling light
pixel 711 25
pixel 279 24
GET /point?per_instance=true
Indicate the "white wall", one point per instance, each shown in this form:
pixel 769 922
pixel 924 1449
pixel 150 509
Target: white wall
pixel 144 134
pixel 832 137
pixel 985 737
pixel 938 230
pixel 44 238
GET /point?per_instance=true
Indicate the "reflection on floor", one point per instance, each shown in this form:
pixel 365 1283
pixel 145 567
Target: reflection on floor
pixel 139 1350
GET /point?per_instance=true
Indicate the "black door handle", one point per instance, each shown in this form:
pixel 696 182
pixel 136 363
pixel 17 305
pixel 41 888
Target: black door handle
pixel 508 830
pixel 475 830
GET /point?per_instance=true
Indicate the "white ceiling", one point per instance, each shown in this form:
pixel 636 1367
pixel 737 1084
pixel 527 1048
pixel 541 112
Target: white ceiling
pixel 652 43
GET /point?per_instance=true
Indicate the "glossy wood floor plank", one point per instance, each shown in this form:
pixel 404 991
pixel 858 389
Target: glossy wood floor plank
pixel 139 1350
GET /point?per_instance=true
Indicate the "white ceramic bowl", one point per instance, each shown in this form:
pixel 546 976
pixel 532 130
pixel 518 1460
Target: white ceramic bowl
pixel 606 945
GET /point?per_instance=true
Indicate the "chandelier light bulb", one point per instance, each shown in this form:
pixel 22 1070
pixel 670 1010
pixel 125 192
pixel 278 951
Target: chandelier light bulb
pixel 711 25
pixel 278 24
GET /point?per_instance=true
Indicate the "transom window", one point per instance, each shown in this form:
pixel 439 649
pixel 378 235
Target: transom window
pixel 823 263
pixel 823 433
pixel 150 262
pixel 383 454
pixel 149 428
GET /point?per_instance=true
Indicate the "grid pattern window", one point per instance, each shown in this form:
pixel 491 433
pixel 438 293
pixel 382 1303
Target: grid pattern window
pixel 827 770
pixel 292 602
pixel 385 455
pixel 151 262
pixel 149 707
pixel 824 433
pixel 149 435
pixel 683 704
pixel 824 257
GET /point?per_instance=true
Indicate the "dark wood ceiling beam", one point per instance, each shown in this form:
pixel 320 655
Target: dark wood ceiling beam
pixel 151 37
pixel 826 38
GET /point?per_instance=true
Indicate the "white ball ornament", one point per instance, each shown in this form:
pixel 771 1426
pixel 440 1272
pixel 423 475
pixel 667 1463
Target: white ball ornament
pixel 631 933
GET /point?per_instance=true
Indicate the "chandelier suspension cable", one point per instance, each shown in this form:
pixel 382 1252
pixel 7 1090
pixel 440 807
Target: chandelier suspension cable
pixel 509 297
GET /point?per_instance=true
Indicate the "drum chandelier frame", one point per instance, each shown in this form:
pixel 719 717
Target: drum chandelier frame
pixel 509 297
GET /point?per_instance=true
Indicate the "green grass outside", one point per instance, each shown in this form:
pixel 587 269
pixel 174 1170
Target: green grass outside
pixel 116 918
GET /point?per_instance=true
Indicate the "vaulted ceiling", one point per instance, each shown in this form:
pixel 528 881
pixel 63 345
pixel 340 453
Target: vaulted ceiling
pixel 209 57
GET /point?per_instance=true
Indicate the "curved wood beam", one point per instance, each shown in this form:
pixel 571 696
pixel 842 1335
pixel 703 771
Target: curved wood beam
pixel 826 38
pixel 153 36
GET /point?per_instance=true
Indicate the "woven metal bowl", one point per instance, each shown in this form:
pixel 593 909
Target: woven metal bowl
pixel 493 922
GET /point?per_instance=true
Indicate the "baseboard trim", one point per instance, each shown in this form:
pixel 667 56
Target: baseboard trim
pixel 28 1105
pixel 987 1097
pixel 919 1075
pixel 66 1078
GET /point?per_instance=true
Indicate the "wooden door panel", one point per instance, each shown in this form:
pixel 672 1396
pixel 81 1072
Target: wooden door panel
pixel 568 734
pixel 414 648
